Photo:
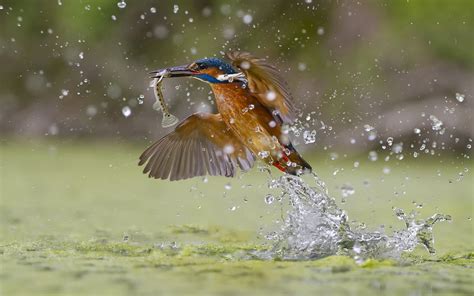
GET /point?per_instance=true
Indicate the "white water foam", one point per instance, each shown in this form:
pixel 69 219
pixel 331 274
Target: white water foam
pixel 316 227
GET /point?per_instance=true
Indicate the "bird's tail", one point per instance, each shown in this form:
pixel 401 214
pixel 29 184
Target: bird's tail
pixel 301 167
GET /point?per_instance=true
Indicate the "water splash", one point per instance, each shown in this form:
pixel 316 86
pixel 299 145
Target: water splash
pixel 316 227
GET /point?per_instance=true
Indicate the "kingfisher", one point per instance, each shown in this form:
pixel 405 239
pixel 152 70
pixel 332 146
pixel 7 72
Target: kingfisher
pixel 255 109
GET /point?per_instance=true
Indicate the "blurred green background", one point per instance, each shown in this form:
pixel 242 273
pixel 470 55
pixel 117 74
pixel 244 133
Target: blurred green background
pixel 387 85
pixel 70 67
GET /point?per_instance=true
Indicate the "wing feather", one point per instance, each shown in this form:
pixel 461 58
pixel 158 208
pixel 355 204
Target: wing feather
pixel 267 83
pixel 196 148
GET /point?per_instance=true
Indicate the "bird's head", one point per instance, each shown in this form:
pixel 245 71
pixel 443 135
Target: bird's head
pixel 210 70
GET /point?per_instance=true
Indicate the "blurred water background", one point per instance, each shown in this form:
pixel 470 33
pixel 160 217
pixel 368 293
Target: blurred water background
pixel 75 68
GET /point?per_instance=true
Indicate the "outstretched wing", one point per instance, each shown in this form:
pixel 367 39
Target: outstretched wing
pixel 266 82
pixel 202 144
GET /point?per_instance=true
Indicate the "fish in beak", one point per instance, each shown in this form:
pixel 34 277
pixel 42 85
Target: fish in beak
pixel 178 71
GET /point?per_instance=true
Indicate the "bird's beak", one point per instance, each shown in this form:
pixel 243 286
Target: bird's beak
pixel 178 71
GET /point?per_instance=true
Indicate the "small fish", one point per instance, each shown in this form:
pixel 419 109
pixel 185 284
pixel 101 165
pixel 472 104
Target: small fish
pixel 160 104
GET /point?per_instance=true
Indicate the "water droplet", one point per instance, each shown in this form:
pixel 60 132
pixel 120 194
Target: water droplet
pixel 228 149
pixel 53 129
pixel 416 130
pixel 140 99
pixel 245 65
pixel 91 110
pixel 372 135
pixel 357 249
pixel 347 190
pixel 152 9
pixel 373 156
pixel 114 18
pixel 175 8
pixel 81 55
pixel 436 124
pixel 269 199
pixel 460 97
pixel 397 148
pixel 389 141
pixel 320 31
pixel 126 111
pixel 247 19
pixel 228 186
pixel 263 154
pixel 122 4
pixel 233 208
pixel 309 136
pixel 270 95
pixel 368 127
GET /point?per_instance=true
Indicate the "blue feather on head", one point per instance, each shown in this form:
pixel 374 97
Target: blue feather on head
pixel 217 63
